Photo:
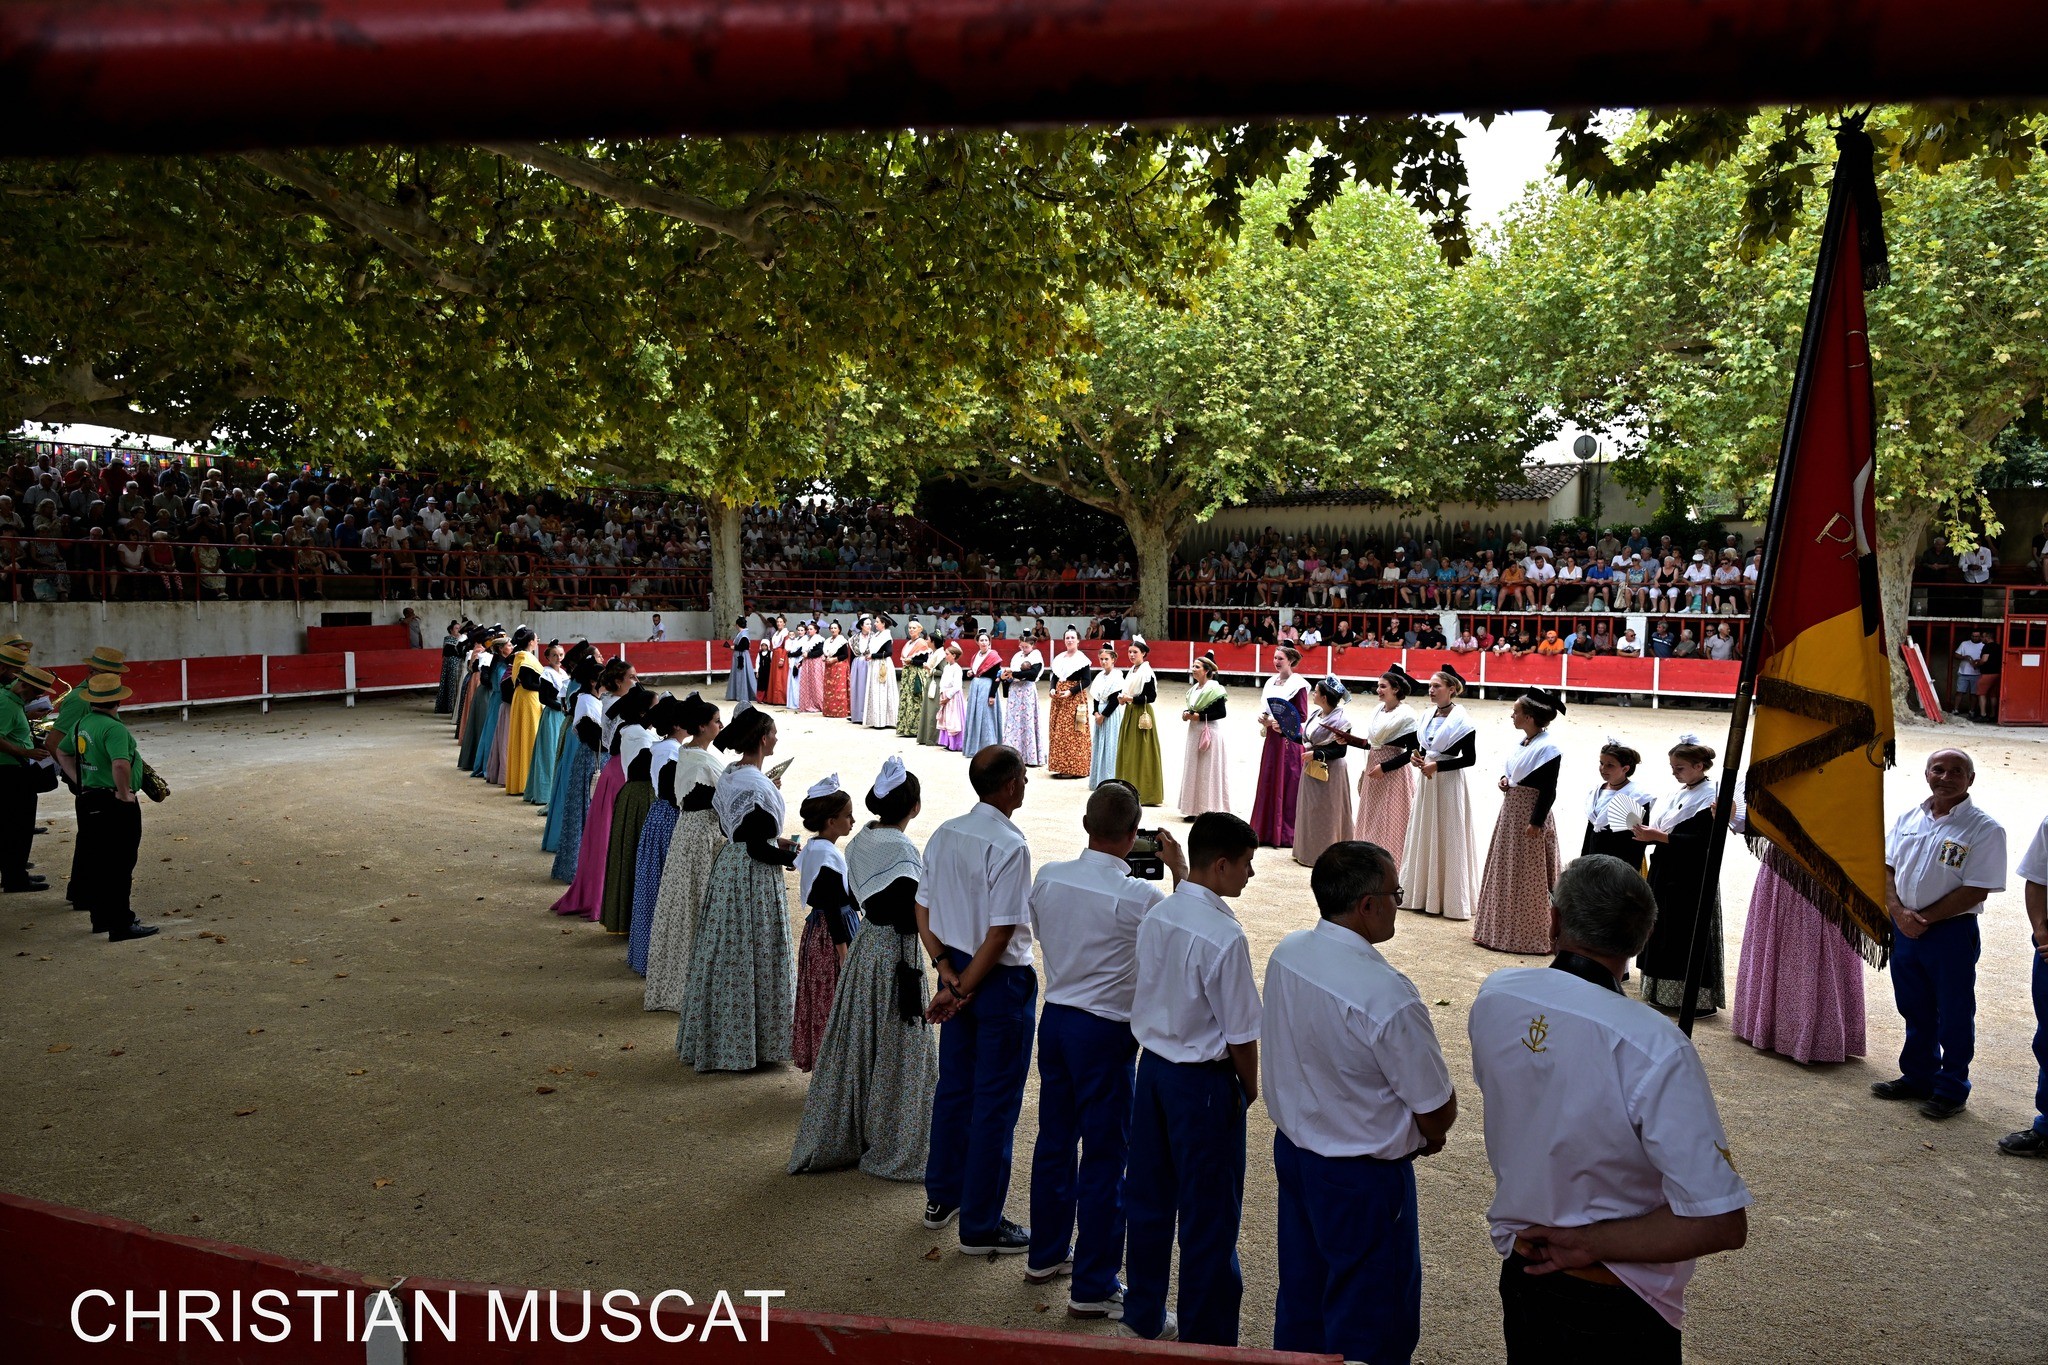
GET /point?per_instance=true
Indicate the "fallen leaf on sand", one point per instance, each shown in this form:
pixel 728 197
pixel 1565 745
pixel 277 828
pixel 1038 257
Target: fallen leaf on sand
pixel 59 1047
pixel 300 961
pixel 360 1071
pixel 116 1051
pixel 380 1182
pixel 543 1090
pixel 558 1071
pixel 244 1113
pixel 254 1031
pixel 338 976
pixel 932 1255
pixel 625 1047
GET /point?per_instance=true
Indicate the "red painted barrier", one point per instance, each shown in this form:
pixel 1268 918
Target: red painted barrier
pixel 337 639
pixel 236 677
pixel 1698 677
pixel 1531 670
pixel 1612 674
pixel 53 1258
pixel 379 669
pixel 302 673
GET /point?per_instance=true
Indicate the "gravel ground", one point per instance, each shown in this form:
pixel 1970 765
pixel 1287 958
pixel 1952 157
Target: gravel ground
pixel 362 1040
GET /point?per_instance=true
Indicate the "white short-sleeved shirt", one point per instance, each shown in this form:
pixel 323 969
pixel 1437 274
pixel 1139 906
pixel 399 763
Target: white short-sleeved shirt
pixel 977 877
pixel 1196 996
pixel 1597 1108
pixel 1931 856
pixel 1350 1056
pixel 2034 863
pixel 1968 654
pixel 1085 915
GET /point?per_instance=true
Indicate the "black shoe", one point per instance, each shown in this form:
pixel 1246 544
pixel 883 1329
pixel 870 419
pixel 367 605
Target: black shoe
pixel 1939 1108
pixel 2026 1142
pixel 136 930
pixel 937 1215
pixel 1900 1089
pixel 1008 1240
pixel 32 884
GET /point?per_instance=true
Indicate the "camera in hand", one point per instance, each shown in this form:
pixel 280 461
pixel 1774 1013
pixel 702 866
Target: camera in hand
pixel 1143 859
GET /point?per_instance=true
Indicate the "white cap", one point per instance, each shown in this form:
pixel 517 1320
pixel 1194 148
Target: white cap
pixel 824 786
pixel 891 777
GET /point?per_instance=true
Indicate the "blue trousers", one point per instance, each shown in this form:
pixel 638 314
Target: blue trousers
pixel 984 1060
pixel 2041 1043
pixel 1350 1256
pixel 1186 1166
pixel 1934 980
pixel 1085 1071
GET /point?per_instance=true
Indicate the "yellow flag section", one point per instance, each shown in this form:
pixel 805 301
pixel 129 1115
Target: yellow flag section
pixel 1816 779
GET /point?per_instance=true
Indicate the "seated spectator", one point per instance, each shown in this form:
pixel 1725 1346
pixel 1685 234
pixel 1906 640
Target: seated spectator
pixel 1687 647
pixel 1466 643
pixel 1721 644
pixel 1514 587
pixel 1628 647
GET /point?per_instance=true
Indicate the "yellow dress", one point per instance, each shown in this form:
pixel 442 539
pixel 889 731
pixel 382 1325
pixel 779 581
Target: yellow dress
pixel 522 717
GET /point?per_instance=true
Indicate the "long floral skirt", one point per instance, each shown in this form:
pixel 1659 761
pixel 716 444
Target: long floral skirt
pixel 910 685
pixel 810 686
pixel 691 850
pixel 451 681
pixel 469 720
pixel 1513 914
pixel 1386 803
pixel 1799 986
pixel 1661 964
pixel 1440 866
pixel 870 1099
pixel 563 836
pixel 1137 754
pixel 501 734
pixel 1024 723
pixel 622 855
pixel 1322 812
pixel 741 997
pixel 981 715
pixel 1067 733
pixel 585 895
pixel 1204 776
pixel 817 977
pixel 838 689
pixel 648 862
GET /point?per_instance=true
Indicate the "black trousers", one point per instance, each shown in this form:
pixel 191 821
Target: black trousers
pixel 1559 1319
pixel 109 838
pixel 17 823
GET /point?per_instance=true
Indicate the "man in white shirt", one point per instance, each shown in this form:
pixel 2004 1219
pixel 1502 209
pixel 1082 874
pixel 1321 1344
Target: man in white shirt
pixel 1085 916
pixel 974 916
pixel 1969 656
pixel 1195 1014
pixel 1628 647
pixel 1612 1173
pixel 1976 563
pixel 656 631
pixel 1357 1087
pixel 2033 1140
pixel 1942 858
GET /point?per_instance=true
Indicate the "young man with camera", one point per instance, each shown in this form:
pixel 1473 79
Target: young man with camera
pixel 1085 915
pixel 1195 1014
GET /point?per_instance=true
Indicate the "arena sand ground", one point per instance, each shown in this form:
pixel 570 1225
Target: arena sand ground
pixel 362 1040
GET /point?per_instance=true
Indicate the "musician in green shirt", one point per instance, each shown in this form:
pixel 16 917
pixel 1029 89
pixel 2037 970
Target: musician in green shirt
pixel 102 759
pixel 18 755
pixel 72 708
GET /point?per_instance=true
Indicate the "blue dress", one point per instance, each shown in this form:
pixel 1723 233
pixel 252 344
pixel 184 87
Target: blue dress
pixel 547 752
pixel 648 865
pixel 740 685
pixel 983 723
pixel 857 684
pixel 581 771
pixel 1102 759
pixel 488 730
pixel 551 836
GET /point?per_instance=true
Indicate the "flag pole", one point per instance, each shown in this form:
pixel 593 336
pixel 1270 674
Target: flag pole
pixel 1850 140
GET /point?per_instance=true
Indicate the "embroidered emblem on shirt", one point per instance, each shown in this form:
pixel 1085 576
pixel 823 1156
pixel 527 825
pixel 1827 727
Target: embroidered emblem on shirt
pixel 1539 1029
pixel 1953 853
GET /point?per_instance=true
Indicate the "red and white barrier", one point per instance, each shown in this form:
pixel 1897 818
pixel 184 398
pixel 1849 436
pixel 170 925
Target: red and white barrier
pixel 221 680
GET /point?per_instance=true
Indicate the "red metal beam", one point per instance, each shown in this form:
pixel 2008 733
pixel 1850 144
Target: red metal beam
pixel 190 75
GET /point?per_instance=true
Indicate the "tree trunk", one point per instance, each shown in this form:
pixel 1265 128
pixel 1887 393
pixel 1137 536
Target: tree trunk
pixel 728 579
pixel 1153 538
pixel 1899 533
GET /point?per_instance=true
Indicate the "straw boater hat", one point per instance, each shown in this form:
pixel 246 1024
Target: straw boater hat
pixel 102 688
pixel 107 660
pixel 41 677
pixel 15 655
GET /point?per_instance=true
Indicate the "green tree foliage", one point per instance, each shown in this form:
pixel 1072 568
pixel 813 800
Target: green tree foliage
pixel 1661 314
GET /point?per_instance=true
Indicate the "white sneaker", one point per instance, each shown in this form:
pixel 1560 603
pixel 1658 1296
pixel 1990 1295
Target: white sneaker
pixel 1033 1275
pixel 1111 1308
pixel 1169 1330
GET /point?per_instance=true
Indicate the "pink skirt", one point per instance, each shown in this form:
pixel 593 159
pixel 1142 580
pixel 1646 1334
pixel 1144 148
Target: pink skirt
pixel 1386 802
pixel 817 979
pixel 585 895
pixel 1799 988
pixel 1513 914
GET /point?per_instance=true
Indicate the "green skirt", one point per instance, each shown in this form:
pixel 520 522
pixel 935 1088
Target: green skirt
pixel 1137 755
pixel 629 814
